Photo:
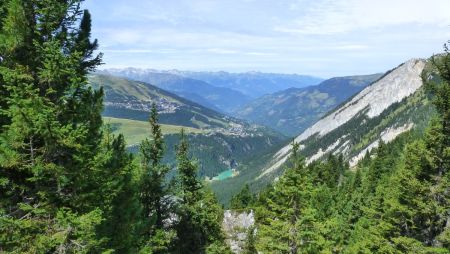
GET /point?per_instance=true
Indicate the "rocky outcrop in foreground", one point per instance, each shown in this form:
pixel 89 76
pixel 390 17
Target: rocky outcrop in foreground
pixel 236 225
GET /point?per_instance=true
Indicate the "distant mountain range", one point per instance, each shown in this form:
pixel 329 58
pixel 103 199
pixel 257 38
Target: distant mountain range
pixel 221 91
pixel 292 110
pixel 219 142
pixel 253 84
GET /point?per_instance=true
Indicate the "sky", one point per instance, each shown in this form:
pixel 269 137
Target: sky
pixel 324 38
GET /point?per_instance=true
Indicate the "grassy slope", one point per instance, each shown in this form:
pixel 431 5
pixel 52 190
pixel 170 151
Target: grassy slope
pixel 188 113
pixel 134 131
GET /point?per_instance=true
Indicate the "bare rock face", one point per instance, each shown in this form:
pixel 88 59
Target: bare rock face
pixel 236 225
pixel 372 101
pixel 387 136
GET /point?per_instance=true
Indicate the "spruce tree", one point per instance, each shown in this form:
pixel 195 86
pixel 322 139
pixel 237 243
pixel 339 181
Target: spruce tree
pixel 437 141
pixel 119 195
pixel 286 222
pixel 154 192
pixel 200 215
pixel 51 169
pixel 243 199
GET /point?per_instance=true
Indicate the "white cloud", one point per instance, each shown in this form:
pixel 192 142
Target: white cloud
pixel 327 17
pixel 322 37
pixel 260 54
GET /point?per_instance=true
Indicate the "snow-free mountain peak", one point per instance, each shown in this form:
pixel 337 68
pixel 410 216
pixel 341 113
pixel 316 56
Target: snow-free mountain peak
pixel 392 88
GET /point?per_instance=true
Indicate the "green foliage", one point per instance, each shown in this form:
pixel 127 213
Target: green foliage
pixel 218 247
pixel 395 201
pixel 200 214
pixel 154 190
pixel 249 247
pixel 243 199
pixel 64 179
pixel 288 218
pixel 119 192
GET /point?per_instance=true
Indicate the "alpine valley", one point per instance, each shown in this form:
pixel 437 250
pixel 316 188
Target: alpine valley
pixel 386 106
pixel 292 110
pixel 220 142
pixel 341 116
pixel 133 160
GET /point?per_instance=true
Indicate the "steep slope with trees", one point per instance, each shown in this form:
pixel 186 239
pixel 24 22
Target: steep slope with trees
pixel 392 105
pixel 395 200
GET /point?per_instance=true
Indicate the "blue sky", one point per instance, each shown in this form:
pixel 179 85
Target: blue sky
pixel 318 37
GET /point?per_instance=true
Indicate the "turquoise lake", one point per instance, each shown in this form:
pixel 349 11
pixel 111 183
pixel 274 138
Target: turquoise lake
pixel 224 175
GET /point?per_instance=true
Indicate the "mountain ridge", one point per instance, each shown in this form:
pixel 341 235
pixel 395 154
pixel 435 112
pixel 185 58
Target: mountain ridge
pixel 254 83
pixel 224 90
pixel 292 110
pixel 218 98
pixel 392 88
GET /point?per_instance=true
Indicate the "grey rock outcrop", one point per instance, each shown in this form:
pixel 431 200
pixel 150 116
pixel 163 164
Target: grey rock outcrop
pixel 236 226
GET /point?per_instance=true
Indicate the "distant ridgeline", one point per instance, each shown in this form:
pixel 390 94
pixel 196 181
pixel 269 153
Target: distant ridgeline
pixel 221 91
pixel 219 142
pixel 293 110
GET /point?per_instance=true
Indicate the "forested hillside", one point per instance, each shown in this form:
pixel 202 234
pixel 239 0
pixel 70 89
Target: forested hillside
pixel 390 106
pixel 395 200
pixel 400 101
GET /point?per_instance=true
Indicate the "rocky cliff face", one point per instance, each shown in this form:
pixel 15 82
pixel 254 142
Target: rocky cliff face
pixel 365 110
pixel 236 226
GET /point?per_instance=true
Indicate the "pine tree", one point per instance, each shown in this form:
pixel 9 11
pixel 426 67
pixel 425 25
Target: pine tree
pixel 243 199
pixel 437 141
pixel 120 201
pixel 50 170
pixel 155 196
pixel 200 215
pixel 286 223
